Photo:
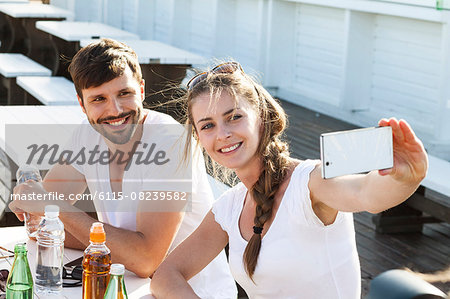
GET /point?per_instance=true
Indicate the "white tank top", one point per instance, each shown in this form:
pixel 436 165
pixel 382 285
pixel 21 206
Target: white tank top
pixel 300 257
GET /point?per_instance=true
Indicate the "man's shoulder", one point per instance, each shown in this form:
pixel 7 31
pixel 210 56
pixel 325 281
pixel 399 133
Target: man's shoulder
pixel 155 117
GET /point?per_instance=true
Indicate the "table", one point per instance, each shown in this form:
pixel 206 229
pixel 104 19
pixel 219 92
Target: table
pixel 50 91
pixel 27 115
pixel 19 35
pixel 14 1
pixel 136 287
pixel 13 65
pixel 66 36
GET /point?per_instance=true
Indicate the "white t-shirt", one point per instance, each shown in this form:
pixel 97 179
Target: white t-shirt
pixel 300 257
pixel 214 281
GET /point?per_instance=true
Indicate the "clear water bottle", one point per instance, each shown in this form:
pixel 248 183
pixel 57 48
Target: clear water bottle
pixel 50 250
pixel 116 286
pixel 20 281
pixel 25 173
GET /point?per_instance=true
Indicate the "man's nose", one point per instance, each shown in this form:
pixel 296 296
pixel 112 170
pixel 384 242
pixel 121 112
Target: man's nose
pixel 115 107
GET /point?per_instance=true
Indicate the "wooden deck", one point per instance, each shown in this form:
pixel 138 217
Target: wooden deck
pixel 426 252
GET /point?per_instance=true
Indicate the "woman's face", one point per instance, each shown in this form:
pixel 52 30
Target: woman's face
pixel 227 129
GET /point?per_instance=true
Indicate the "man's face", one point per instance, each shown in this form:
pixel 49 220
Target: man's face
pixel 115 107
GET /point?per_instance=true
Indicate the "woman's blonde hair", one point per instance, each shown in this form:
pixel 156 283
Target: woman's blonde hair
pixel 272 150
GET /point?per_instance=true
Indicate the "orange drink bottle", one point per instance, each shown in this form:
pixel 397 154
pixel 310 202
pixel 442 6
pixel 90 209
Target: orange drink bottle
pixel 96 264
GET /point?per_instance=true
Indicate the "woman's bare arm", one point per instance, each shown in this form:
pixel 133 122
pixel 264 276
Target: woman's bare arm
pixel 189 258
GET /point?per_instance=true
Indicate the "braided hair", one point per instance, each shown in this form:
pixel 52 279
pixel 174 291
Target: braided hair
pixel 273 151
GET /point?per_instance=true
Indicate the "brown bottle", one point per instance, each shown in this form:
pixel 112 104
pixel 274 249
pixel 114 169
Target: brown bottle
pixel 96 264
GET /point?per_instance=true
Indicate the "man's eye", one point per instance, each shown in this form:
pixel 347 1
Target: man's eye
pixel 99 99
pixel 124 93
pixel 207 126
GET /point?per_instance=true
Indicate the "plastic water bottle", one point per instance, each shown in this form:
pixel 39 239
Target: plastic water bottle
pixel 116 286
pixel 25 173
pixel 20 281
pixel 96 264
pixel 50 250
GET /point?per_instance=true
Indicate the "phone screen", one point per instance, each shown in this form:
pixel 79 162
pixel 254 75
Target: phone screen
pixel 356 151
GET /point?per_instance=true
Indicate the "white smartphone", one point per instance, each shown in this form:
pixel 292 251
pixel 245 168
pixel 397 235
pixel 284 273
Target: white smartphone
pixel 356 151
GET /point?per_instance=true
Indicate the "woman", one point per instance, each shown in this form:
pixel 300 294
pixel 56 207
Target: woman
pixel 290 232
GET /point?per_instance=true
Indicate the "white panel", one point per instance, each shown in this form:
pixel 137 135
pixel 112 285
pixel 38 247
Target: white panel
pixel 405 70
pixel 66 4
pixel 226 27
pixel 319 51
pixel 247 33
pixel 146 19
pixel 280 47
pixel 163 20
pixel 112 12
pixel 130 16
pixel 89 10
pixel 202 34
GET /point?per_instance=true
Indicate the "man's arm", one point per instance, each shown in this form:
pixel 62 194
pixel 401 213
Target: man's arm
pixel 140 251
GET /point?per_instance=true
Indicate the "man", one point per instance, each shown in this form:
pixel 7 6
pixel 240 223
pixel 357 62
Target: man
pixel 110 90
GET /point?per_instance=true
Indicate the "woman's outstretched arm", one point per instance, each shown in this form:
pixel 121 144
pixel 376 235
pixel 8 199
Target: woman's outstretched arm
pixel 378 190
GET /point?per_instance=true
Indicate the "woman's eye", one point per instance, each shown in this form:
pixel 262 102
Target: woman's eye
pixel 235 116
pixel 207 126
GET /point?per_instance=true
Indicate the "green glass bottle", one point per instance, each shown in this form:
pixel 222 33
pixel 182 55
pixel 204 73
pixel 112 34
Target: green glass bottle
pixel 116 286
pixel 20 282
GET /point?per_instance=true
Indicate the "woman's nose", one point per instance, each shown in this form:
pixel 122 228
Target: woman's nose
pixel 223 133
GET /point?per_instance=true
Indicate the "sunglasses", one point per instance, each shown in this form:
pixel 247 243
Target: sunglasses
pixel 73 273
pixel 3 278
pixel 72 277
pixel 224 68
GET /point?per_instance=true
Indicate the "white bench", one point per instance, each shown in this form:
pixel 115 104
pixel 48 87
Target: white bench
pixel 13 65
pixel 50 91
pixel 438 176
pixel 432 198
pixel 435 200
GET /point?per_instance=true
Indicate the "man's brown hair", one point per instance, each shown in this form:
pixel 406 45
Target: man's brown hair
pixel 101 62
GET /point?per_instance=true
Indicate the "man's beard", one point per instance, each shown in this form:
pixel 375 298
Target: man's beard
pixel 122 136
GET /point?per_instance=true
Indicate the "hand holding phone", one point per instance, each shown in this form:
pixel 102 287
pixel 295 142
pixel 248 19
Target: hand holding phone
pixel 356 151
pixel 410 157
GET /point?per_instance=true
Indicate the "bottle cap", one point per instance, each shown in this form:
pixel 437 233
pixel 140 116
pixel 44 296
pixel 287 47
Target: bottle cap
pixel 97 234
pixel 20 247
pixel 28 172
pixel 27 167
pixel 51 211
pixel 117 269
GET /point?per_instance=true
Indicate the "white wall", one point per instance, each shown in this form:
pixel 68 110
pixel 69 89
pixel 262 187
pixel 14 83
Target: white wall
pixel 364 60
